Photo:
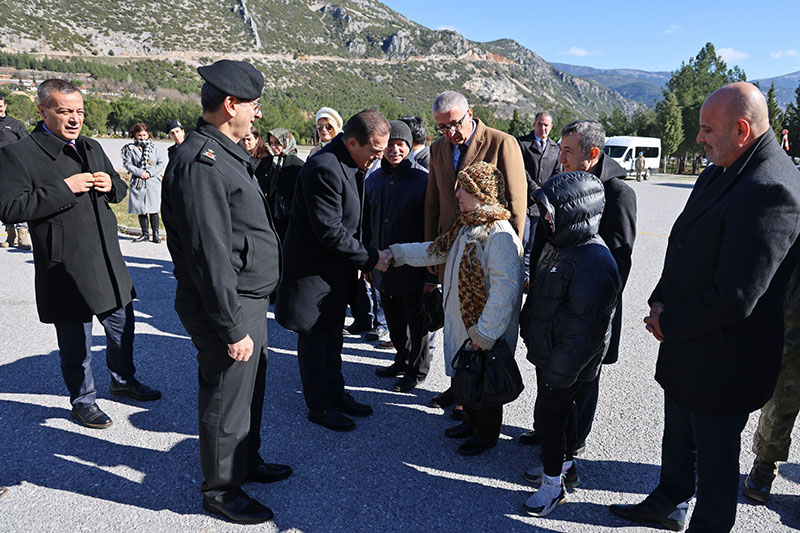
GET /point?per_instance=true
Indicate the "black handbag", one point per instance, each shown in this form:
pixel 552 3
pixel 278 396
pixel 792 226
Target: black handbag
pixel 432 310
pixel 486 378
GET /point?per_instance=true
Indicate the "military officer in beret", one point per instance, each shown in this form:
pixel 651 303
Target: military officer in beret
pixel 227 262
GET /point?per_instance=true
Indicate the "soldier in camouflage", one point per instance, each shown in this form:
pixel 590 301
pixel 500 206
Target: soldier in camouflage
pixel 773 436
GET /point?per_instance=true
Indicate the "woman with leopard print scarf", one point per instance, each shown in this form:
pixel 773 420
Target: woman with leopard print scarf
pixel 482 284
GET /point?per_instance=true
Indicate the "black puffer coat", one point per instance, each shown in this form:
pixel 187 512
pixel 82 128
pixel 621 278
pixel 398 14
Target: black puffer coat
pixel 566 321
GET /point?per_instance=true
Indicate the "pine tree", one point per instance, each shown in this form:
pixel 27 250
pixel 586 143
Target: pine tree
pixel 691 85
pixel 670 121
pixel 775 113
pixel 793 123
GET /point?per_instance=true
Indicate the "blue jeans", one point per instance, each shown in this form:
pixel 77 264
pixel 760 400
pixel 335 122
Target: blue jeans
pixel 75 350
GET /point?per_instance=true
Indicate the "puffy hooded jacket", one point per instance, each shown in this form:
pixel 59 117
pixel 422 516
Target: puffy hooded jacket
pixel 566 321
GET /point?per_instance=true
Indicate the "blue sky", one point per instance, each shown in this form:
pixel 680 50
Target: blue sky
pixel 763 38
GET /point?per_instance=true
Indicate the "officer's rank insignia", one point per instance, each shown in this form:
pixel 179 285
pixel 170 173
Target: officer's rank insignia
pixel 210 154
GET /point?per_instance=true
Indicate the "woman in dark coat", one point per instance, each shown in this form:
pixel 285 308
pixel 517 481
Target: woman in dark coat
pixel 277 175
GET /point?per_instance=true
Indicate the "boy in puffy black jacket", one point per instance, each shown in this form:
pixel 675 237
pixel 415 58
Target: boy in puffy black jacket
pixel 566 323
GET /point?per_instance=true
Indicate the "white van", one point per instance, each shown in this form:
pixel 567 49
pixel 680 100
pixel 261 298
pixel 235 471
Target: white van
pixel 625 149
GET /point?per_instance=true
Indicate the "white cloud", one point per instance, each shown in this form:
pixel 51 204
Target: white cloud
pixel 445 27
pixel 729 55
pixel 577 51
pixel 791 52
pixel 672 29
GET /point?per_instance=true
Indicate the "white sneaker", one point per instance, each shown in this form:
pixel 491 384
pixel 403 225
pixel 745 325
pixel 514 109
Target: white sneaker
pixel 547 498
pixel 568 470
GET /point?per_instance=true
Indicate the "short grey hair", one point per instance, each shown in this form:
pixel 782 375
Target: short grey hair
pixel 543 114
pixel 449 100
pixel 48 87
pixel 592 134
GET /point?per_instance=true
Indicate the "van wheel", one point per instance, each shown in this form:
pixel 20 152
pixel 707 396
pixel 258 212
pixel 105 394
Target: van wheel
pixel 647 174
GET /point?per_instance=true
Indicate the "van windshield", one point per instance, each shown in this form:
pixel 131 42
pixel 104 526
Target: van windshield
pixel 615 151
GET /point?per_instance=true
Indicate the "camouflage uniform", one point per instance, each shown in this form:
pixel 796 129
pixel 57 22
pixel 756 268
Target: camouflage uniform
pixel 773 436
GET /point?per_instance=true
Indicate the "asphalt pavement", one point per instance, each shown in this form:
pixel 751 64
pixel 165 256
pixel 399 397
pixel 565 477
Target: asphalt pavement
pixel 396 472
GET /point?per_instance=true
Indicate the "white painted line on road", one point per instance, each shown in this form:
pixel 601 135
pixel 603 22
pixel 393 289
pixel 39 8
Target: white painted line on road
pixel 652 234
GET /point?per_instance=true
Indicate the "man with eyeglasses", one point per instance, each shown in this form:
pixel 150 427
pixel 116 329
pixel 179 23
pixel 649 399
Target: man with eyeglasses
pixel 464 141
pixel 61 183
pixel 227 262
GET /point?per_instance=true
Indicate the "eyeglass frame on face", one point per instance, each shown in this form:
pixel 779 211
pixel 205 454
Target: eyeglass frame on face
pixel 452 128
pixel 255 104
pixel 328 127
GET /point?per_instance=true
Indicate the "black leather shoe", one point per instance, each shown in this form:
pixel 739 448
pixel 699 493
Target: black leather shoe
pixel 156 238
pixel 473 446
pixel 758 484
pixel 445 399
pixel 135 390
pixel 349 406
pixel 457 413
pixel 405 384
pixel 269 473
pixel 529 438
pixel 461 431
pixel 644 513
pixel 240 510
pixel 141 238
pixel 390 371
pixel 332 420
pixel 91 417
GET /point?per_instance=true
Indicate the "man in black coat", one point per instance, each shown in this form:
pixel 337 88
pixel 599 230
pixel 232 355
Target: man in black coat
pixel 323 251
pixel 540 155
pixel 394 212
pixel 61 183
pixel 582 143
pixel 227 262
pixel 12 130
pixel 718 310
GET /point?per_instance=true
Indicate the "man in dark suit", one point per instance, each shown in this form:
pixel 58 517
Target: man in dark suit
pixel 718 310
pixel 540 155
pixel 227 262
pixel 582 143
pixel 323 251
pixel 61 183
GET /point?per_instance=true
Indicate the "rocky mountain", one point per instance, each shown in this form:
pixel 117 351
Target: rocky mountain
pixel 348 53
pixel 639 85
pixel 785 87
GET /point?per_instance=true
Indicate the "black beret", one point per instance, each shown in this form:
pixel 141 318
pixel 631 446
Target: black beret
pixel 172 124
pixel 234 78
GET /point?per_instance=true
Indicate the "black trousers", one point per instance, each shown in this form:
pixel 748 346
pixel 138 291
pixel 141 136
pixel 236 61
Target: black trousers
pixel 485 423
pixel 75 352
pixel 404 320
pixel 555 423
pixel 230 400
pixel 586 407
pixel 699 453
pixel 359 303
pixel 319 356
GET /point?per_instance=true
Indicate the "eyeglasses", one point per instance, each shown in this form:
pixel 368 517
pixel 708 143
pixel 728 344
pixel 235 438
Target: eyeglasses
pixel 452 128
pixel 255 104
pixel 328 127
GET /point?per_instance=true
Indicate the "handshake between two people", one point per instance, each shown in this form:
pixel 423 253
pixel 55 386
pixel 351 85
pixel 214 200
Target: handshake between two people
pixel 384 260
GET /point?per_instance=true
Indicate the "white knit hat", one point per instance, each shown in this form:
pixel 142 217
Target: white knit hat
pixel 332 115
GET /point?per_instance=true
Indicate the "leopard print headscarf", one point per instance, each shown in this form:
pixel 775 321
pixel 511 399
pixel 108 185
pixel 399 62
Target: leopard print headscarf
pixel 487 184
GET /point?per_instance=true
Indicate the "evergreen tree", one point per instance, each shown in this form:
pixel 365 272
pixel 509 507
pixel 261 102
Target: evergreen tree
pixel 792 123
pixel 775 113
pixel 692 84
pixel 670 121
